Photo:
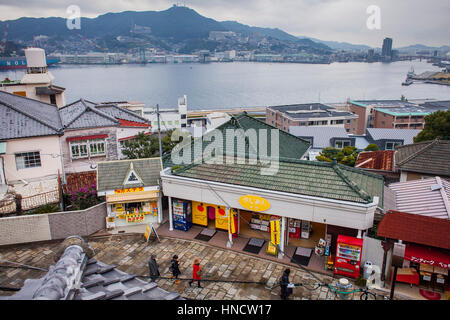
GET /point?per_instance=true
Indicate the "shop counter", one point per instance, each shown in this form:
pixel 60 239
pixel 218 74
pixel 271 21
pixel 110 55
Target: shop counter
pixel 408 275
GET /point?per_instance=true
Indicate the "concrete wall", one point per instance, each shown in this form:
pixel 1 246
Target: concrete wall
pixel 52 226
pixel 373 252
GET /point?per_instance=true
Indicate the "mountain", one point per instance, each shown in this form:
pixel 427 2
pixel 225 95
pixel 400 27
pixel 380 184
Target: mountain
pixel 176 24
pixel 423 47
pixel 335 45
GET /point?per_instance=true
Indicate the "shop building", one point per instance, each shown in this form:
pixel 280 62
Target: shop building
pixel 132 191
pixel 310 201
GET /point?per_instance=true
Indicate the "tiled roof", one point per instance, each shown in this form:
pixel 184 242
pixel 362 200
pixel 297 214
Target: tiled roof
pixel 310 178
pixel 415 228
pixel 430 157
pixel 290 146
pixel 112 174
pixel 417 196
pixel 321 135
pixel 76 277
pixel 376 160
pixel 395 134
pixel 310 110
pixel 21 117
pixel 86 114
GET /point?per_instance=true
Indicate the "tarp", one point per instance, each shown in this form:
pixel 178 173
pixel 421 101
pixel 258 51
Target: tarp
pixel 141 196
pixel 427 255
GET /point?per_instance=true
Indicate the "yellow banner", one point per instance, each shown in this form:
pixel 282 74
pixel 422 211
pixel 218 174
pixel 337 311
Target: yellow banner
pixel 275 231
pixel 232 226
pixel 129 190
pixel 254 203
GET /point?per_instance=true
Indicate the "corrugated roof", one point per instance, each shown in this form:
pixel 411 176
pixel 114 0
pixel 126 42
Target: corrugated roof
pixel 21 117
pixel 321 135
pixel 430 157
pixel 418 197
pixel 376 160
pixel 415 228
pixel 319 179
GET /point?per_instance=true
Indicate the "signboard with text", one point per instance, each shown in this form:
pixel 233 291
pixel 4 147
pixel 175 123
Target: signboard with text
pixel 254 203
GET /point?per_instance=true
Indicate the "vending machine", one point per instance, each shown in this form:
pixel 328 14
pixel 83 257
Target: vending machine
pixel 348 256
pixel 182 215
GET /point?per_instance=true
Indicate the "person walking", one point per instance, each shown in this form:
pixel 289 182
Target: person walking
pixel 284 282
pixel 175 268
pixel 153 268
pixel 196 272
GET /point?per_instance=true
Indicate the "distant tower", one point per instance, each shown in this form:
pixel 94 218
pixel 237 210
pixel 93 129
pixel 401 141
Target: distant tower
pixel 386 50
pixel 182 110
pixel 36 67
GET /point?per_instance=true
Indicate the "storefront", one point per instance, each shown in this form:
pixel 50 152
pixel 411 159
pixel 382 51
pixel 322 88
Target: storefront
pixel 132 191
pixel 302 219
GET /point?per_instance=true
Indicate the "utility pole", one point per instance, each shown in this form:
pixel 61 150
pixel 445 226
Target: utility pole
pixel 159 130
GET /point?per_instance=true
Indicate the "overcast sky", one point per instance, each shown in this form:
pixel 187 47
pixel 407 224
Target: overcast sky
pixel 406 21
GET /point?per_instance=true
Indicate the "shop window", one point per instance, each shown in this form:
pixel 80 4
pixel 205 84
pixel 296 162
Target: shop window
pixel 87 148
pixel 28 160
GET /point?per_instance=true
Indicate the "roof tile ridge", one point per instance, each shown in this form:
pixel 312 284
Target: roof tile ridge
pixel 444 195
pixel 78 115
pixel 68 105
pixel 99 112
pixel 412 156
pixel 58 130
pixel 362 193
pixel 122 109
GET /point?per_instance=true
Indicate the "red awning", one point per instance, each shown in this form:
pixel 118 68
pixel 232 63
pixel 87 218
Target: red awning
pixel 97 136
pixel 427 255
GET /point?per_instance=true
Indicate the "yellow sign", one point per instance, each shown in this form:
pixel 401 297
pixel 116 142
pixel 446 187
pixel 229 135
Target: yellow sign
pixel 254 203
pixel 129 190
pixel 275 232
pixel 148 230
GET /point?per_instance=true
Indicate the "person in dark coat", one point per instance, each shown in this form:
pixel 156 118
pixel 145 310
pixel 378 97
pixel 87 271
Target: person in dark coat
pixel 175 268
pixel 153 268
pixel 284 281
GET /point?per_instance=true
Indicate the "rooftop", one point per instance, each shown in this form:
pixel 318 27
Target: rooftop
pixel 393 134
pixel 415 228
pixel 310 110
pixel 21 117
pixel 376 160
pixel 310 178
pixel 427 197
pixel 429 157
pixel 321 135
pixel 382 103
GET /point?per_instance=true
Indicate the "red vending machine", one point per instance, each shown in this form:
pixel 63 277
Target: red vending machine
pixel 348 256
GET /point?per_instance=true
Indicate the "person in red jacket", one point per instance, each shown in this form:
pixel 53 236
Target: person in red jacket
pixel 196 272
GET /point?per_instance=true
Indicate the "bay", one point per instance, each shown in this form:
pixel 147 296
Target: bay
pixel 241 84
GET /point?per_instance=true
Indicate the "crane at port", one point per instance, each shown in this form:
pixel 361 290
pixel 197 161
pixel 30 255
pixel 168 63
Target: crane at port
pixel 3 42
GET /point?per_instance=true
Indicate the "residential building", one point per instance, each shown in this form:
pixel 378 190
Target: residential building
pixel 37 83
pixel 310 114
pixel 91 134
pixel 423 160
pixel 169 119
pixel 394 114
pixel 386 50
pixel 322 137
pixel 389 139
pixel 30 159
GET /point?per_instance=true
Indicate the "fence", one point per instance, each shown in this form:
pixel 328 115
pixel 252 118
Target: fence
pixel 52 226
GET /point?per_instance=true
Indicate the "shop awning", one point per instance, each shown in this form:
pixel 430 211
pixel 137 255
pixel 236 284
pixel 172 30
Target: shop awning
pixel 132 197
pixel 427 255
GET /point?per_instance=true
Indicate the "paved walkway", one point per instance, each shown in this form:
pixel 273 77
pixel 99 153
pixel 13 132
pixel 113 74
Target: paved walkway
pixel 130 253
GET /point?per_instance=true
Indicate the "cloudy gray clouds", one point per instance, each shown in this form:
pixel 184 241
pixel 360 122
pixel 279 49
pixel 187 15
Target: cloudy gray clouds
pixel 407 21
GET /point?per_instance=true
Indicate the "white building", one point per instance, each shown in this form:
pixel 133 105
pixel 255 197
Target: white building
pixel 169 118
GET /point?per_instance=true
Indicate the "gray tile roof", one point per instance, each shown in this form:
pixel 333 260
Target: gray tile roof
pixel 111 174
pixel 76 277
pixel 429 157
pixel 21 117
pixel 310 110
pixel 407 135
pixel 321 135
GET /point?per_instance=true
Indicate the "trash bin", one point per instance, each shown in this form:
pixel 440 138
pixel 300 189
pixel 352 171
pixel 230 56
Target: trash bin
pixel 367 269
pixel 344 286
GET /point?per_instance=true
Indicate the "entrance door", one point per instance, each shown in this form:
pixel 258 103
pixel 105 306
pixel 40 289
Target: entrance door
pixel 211 212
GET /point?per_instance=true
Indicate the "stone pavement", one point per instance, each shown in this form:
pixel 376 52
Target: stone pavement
pixel 130 253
